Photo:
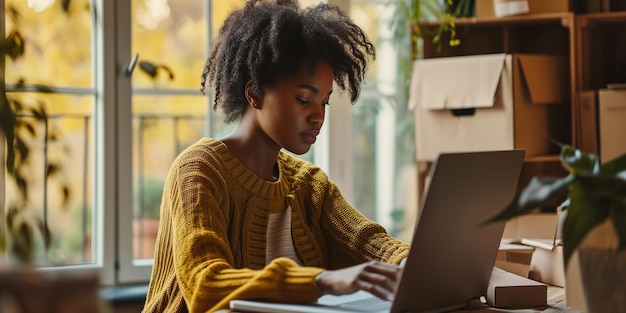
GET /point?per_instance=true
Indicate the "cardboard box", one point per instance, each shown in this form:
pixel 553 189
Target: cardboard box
pixel 514 258
pixel 546 264
pixel 507 290
pixel 490 102
pixel 501 8
pixel 540 232
pixel 612 113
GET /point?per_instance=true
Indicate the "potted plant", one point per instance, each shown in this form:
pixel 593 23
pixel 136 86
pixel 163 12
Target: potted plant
pixel 594 225
pixel 407 20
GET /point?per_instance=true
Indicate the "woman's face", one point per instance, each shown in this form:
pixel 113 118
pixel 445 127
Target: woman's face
pixel 292 110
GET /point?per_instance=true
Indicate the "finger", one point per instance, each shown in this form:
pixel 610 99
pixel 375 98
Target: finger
pixel 375 289
pixel 383 268
pixel 380 279
pixel 390 271
pixel 383 283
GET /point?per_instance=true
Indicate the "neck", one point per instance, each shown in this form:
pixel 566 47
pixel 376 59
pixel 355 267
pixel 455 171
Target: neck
pixel 256 152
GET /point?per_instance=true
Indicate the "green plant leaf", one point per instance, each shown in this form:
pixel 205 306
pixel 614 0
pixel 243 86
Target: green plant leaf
pixel 22 243
pixel 579 162
pixel 7 127
pixel 39 112
pixel 539 191
pixel 29 128
pixel 11 217
pixel 22 185
pixel 66 192
pixel 52 169
pixel 615 165
pixel 21 150
pixel 584 213
pixel 65 5
pixel 13 45
pixel 609 191
pixel 605 188
pixel 45 233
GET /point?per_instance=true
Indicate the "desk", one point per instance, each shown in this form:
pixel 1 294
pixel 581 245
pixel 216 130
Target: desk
pixel 556 304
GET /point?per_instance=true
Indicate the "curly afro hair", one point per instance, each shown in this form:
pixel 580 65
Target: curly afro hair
pixel 267 40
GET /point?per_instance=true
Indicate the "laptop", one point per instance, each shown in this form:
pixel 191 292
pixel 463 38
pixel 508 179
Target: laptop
pixel 452 254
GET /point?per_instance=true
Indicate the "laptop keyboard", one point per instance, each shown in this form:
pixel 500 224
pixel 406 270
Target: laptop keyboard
pixel 373 304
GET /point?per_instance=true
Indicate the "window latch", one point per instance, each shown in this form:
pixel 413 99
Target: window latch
pixel 131 65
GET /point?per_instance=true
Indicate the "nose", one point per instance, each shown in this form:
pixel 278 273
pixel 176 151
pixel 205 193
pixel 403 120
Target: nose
pixel 317 114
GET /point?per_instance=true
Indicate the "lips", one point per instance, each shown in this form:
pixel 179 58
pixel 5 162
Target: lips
pixel 310 136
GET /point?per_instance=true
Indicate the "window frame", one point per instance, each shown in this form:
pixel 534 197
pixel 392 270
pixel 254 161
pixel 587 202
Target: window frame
pixel 113 196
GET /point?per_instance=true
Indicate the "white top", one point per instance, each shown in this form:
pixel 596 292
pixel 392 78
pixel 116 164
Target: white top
pixel 279 239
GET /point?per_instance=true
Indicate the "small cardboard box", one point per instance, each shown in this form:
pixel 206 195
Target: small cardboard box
pixel 490 102
pixel 501 8
pixel 540 232
pixel 612 113
pixel 514 258
pixel 507 290
pixel 546 264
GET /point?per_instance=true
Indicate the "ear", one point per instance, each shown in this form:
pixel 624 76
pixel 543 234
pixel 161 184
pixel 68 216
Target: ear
pixel 253 100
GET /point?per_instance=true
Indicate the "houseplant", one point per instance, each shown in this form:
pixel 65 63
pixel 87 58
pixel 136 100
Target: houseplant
pixel 408 19
pixel 595 213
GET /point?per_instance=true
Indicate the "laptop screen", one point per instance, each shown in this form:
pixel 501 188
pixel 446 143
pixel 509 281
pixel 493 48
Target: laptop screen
pixel 452 255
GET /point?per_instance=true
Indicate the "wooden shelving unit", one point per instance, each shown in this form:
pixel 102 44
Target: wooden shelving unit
pixel 594 44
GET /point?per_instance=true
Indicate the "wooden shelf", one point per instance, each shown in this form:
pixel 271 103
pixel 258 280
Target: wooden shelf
pixel 605 18
pixel 591 41
pixel 542 158
pixel 563 18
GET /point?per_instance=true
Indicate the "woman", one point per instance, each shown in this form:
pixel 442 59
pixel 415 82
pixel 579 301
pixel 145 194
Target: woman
pixel 242 219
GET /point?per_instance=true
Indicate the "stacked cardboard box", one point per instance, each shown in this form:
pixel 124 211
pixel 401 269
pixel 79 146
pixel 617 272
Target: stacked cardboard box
pixel 490 102
pixel 514 258
pixel 539 233
pixel 508 290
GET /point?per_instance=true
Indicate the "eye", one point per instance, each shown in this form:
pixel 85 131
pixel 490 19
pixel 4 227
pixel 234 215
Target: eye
pixel 302 101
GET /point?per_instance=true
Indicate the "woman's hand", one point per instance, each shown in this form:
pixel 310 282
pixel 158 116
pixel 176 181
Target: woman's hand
pixel 376 278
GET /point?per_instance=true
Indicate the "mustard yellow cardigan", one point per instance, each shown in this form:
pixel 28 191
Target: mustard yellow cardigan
pixel 211 242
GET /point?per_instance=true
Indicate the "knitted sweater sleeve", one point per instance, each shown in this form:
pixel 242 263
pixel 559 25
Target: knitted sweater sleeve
pixel 352 237
pixel 203 259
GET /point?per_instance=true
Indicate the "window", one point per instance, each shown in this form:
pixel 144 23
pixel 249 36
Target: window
pixel 165 112
pixel 383 155
pixel 119 82
pixel 50 76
